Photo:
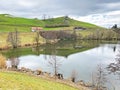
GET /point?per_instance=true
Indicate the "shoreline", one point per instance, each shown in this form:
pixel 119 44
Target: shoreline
pixel 64 81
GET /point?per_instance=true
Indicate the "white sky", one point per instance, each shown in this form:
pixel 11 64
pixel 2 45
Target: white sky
pixel 101 12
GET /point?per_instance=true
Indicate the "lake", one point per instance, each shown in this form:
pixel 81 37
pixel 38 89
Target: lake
pixel 81 57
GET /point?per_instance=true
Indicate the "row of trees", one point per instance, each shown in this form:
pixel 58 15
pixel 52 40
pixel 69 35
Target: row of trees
pixel 56 25
pixel 62 35
pixel 14 37
pixel 102 35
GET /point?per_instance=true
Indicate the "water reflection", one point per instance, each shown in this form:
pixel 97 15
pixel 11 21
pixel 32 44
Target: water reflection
pixel 63 48
pixel 114 67
pixel 82 62
pixel 37 62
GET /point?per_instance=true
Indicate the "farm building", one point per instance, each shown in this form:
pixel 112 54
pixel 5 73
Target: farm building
pixel 79 28
pixel 34 29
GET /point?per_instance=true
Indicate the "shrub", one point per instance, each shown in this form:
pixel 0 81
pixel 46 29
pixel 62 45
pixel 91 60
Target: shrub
pixel 2 61
pixel 56 25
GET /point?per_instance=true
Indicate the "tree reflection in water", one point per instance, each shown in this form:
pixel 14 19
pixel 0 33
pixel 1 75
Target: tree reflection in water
pixel 115 66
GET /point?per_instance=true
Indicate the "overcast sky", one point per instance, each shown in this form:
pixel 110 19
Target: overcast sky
pixel 100 12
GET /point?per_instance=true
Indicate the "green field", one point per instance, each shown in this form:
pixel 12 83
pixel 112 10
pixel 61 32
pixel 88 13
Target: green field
pixel 19 81
pixel 9 23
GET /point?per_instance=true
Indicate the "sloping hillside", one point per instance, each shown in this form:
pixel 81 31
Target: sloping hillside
pixel 18 21
pixel 71 22
pixel 9 23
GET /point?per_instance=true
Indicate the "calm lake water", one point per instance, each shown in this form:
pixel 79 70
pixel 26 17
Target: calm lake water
pixel 83 62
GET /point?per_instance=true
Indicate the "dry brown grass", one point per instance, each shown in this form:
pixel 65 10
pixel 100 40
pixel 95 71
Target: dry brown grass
pixel 2 61
pixel 25 38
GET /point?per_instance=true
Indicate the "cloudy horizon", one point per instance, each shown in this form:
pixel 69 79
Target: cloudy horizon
pixel 103 13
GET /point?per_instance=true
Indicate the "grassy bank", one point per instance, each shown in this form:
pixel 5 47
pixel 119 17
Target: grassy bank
pixel 25 38
pixel 19 81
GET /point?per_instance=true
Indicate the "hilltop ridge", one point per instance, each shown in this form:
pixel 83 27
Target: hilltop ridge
pixel 9 23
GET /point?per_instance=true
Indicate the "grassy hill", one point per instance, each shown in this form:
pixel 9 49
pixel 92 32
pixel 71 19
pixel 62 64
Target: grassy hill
pixel 11 20
pixel 71 22
pixel 9 23
pixel 19 81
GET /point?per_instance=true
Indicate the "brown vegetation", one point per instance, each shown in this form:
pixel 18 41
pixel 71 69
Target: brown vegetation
pixel 57 35
pixel 2 61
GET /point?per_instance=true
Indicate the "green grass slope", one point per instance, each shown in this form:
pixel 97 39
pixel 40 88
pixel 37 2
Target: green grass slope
pixel 9 23
pixel 19 81
pixel 6 19
pixel 72 22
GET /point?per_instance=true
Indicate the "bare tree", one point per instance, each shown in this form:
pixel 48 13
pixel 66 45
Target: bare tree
pixel 66 20
pixel 44 17
pixel 74 76
pixel 37 38
pixel 54 62
pixel 99 79
pixel 14 62
pixel 37 42
pixel 13 39
pixel 114 26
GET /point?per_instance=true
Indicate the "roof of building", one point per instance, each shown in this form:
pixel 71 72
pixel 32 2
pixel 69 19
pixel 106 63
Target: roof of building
pixel 37 28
